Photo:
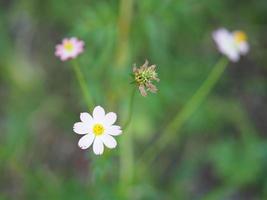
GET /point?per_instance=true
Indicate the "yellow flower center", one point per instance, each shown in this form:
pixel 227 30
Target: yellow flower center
pixel 240 36
pixel 98 129
pixel 68 46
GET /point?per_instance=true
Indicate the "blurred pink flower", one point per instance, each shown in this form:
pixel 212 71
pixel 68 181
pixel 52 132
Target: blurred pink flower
pixel 232 44
pixel 69 48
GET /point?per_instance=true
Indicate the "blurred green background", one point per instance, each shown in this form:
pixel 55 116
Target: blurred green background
pixel 219 153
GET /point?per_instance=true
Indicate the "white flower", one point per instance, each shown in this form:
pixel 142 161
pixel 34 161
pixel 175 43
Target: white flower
pixel 97 130
pixel 233 45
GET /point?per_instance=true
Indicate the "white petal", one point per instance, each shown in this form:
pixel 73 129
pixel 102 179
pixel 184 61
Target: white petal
pixel 98 146
pixel 81 128
pixel 114 130
pixel 111 118
pixel 233 55
pixel 243 48
pixel 86 117
pixel 98 113
pixel 221 36
pixel 226 44
pixel 86 141
pixel 109 141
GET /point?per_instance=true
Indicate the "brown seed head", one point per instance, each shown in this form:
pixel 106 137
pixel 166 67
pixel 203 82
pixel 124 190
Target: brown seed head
pixel 144 76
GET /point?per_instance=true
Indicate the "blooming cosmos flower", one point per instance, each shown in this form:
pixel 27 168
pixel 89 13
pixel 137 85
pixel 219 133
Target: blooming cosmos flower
pixel 232 44
pixel 97 130
pixel 143 77
pixel 69 48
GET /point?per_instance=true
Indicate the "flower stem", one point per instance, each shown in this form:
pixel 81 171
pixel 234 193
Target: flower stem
pixel 124 26
pixel 122 55
pixel 131 105
pixel 84 88
pixel 126 154
pixel 175 125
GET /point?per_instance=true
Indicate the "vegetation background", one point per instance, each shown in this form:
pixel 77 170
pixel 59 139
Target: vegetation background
pixel 219 153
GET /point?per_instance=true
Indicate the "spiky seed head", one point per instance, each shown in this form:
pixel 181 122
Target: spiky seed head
pixel 144 76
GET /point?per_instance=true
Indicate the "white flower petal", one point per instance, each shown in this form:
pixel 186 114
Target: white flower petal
pixel 110 118
pixel 221 36
pixel 86 141
pixel 81 128
pixel 98 113
pixel 243 48
pixel 226 44
pixel 233 55
pixel 98 146
pixel 109 141
pixel 86 117
pixel 114 130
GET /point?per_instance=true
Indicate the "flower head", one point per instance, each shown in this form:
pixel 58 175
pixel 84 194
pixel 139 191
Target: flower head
pixel 69 48
pixel 232 44
pixel 97 130
pixel 144 76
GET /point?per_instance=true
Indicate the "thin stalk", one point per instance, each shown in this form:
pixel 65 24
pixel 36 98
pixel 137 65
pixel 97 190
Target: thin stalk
pixel 171 130
pixel 84 88
pixel 127 154
pixel 130 114
pixel 124 26
pixel 122 54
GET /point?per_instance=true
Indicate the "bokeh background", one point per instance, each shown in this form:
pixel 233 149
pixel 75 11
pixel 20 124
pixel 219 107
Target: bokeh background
pixel 219 153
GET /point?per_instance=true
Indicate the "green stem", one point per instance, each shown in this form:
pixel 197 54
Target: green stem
pixel 124 26
pixel 126 163
pixel 84 88
pixel 175 125
pixel 127 154
pixel 122 54
pixel 131 105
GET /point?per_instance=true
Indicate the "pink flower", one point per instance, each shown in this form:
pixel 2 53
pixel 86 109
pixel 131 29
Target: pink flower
pixel 69 48
pixel 232 44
